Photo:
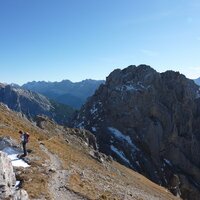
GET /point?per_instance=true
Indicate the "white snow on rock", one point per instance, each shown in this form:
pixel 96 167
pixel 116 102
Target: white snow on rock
pixel 12 154
pixel 120 154
pixel 94 129
pixel 93 109
pixel 137 162
pixel 16 162
pixel 126 88
pixel 168 162
pixel 17 184
pixel 123 137
pixel 130 86
pixel 80 125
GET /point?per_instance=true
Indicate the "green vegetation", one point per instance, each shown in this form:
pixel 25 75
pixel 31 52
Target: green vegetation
pixel 63 113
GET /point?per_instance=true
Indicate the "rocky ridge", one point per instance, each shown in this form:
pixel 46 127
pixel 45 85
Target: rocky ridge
pixel 149 121
pixel 31 104
pixel 66 92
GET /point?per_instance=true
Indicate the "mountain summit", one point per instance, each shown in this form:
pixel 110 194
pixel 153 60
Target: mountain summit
pixel 149 121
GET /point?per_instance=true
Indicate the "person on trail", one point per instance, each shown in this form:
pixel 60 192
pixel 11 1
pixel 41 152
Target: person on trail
pixel 24 136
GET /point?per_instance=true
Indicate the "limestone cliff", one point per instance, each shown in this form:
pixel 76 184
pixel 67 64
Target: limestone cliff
pixel 149 121
pixel 8 181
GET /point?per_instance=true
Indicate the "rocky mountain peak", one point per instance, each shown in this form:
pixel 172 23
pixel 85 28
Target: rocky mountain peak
pixel 132 73
pixel 148 121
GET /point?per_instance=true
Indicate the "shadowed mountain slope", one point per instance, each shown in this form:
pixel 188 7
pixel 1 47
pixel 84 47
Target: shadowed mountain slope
pixel 149 121
pixel 64 165
pixel 32 104
pixel 66 92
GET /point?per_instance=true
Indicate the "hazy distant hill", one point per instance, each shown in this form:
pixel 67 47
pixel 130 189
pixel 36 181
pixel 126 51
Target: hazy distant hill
pixel 66 92
pixel 32 104
pixel 197 81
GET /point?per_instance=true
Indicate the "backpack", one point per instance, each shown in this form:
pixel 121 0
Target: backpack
pixel 26 137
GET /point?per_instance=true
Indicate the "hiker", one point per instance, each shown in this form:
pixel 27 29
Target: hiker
pixel 24 140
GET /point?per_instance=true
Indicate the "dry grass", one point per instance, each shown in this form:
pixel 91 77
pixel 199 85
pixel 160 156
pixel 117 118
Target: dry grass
pixel 87 177
pixel 32 181
pixel 89 185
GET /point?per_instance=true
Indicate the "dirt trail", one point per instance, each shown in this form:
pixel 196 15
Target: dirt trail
pixel 57 184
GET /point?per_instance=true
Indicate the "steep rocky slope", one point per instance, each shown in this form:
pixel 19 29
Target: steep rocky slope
pixel 149 121
pixel 65 166
pixel 32 104
pixel 66 92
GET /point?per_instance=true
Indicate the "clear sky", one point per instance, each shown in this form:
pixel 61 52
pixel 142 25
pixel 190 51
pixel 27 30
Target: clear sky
pixel 54 40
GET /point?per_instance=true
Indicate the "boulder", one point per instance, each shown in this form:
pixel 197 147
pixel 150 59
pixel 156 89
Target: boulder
pixel 7 176
pixel 20 195
pixel 8 181
pixel 7 142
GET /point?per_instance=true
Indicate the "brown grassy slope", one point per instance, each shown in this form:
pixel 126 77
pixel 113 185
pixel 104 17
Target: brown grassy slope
pixel 86 176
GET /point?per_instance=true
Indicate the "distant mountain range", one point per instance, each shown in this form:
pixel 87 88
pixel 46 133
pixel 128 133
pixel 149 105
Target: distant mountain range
pixel 66 92
pixel 146 120
pixel 31 104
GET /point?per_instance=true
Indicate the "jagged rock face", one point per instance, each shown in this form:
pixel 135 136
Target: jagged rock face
pixel 82 135
pixel 149 121
pixel 20 195
pixel 32 104
pixel 7 142
pixel 8 180
pixel 7 176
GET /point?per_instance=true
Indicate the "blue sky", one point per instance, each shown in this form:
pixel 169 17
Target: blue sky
pixel 54 40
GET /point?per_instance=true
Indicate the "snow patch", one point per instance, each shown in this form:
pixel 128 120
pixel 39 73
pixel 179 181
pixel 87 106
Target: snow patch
pixel 126 88
pixel 121 136
pixel 130 86
pixel 80 125
pixel 168 162
pixel 138 164
pixel 93 109
pixel 16 162
pixel 94 129
pixel 12 154
pixel 120 154
pixel 17 184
